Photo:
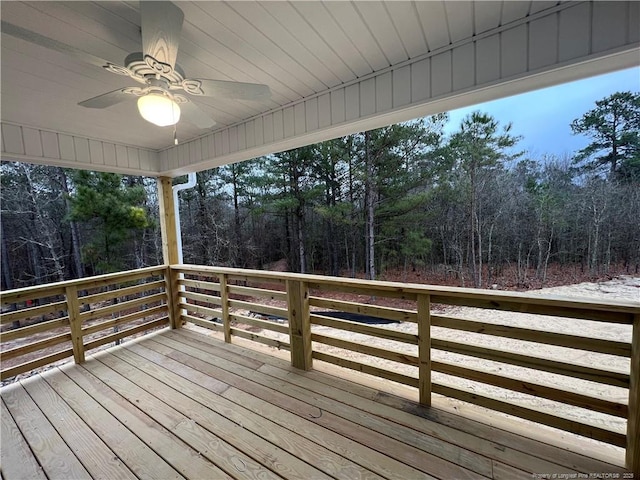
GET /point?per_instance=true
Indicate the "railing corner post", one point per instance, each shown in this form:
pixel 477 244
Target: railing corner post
pixel 173 296
pixel 299 324
pixel 633 421
pixel 424 349
pixel 73 310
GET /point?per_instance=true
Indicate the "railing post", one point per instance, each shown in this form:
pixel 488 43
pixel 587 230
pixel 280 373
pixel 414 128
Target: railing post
pixel 224 300
pixel 424 349
pixel 173 296
pixel 633 421
pixel 73 310
pixel 299 324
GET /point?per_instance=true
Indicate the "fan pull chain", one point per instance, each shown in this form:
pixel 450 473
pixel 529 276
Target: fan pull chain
pixel 175 136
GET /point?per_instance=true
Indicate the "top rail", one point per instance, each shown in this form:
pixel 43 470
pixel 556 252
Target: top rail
pixel 51 289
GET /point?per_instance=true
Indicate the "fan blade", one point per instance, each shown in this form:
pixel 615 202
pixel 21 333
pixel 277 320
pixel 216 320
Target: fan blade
pixel 50 43
pixel 106 99
pixel 193 114
pixel 236 90
pixel 161 27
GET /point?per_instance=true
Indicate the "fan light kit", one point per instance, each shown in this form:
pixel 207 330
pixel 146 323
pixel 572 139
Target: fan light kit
pixel 156 69
pixel 159 109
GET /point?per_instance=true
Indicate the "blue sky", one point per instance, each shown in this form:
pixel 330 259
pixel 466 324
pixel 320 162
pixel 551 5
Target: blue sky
pixel 542 117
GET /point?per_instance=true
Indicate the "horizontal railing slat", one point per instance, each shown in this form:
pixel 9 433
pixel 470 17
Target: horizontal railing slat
pixel 22 332
pixel 20 295
pixel 609 347
pixel 260 338
pixel 366 368
pixel 202 323
pixel 537 416
pixel 121 292
pixel 372 290
pixel 118 307
pixel 535 389
pixel 37 363
pixel 617 379
pixel 400 357
pixel 259 308
pixel 356 327
pixel 115 278
pixel 214 287
pixel 33 312
pixel 125 333
pixel 395 314
pixel 258 292
pixel 124 319
pixel 201 297
pixel 255 322
pixel 200 309
pixel 35 346
pixel 559 309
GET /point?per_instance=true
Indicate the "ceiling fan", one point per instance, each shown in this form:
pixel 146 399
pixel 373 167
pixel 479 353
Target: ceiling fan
pixel 155 68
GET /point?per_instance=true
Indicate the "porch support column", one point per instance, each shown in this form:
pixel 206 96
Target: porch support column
pixel 167 221
pixel 169 245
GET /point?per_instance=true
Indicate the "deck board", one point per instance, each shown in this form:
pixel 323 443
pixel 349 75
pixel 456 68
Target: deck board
pixel 17 460
pixel 49 449
pixel 180 404
pixel 99 460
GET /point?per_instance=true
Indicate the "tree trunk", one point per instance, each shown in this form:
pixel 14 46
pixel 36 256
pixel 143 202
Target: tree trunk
pixel 75 234
pixel 7 278
pixel 236 217
pixel 369 206
pixel 300 240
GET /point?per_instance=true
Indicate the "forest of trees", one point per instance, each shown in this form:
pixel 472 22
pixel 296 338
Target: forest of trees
pixel 406 197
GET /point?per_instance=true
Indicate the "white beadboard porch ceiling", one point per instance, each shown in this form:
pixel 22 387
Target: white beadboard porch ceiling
pixel 300 49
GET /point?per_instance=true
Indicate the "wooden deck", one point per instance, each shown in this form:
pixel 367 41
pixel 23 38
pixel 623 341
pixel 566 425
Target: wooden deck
pixel 182 404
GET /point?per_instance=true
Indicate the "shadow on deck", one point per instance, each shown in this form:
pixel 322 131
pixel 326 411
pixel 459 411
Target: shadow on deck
pixel 179 403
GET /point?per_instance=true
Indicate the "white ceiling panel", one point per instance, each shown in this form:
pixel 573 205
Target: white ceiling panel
pixel 383 29
pixel 319 20
pixel 433 20
pixel 512 11
pixel 288 45
pixel 487 15
pixel 291 20
pixel 325 63
pixel 460 20
pixel 350 20
pixel 540 6
pixel 405 18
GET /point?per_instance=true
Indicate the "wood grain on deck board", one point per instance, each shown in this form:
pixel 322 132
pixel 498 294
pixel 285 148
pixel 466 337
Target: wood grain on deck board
pixel 92 452
pixel 56 458
pixel 16 457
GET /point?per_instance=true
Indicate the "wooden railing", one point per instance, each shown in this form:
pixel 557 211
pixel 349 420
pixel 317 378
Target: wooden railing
pixel 48 323
pixel 245 303
pixel 440 340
